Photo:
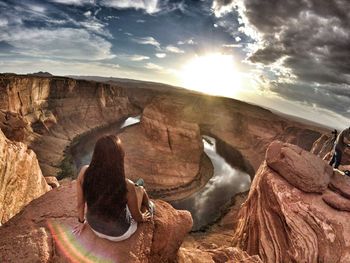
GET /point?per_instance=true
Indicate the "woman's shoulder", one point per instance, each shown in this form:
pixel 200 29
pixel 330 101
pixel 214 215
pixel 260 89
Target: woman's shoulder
pixel 81 174
pixel 130 185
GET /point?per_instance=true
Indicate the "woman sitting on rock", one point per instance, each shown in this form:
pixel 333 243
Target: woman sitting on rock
pixel 114 204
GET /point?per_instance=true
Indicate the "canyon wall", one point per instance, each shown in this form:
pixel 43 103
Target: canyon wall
pixel 48 113
pixel 297 209
pixel 21 179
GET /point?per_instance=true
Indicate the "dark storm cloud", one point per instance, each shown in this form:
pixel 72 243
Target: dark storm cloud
pixel 313 35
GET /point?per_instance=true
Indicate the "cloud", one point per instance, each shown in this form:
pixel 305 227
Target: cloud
pixel 149 6
pixel 147 41
pixel 313 37
pixel 302 46
pixel 65 43
pixel 140 21
pixel 74 2
pixel 232 45
pixel 138 58
pixel 188 42
pixel 160 55
pixel 222 7
pixel 153 66
pixel 174 49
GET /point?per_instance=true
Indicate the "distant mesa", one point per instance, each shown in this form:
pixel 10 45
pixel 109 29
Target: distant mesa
pixel 40 74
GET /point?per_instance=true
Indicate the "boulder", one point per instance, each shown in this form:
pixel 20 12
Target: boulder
pixel 20 176
pixel 302 169
pixel 42 232
pixel 281 222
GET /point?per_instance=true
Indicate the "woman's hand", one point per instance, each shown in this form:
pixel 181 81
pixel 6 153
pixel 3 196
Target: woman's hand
pixel 146 216
pixel 79 228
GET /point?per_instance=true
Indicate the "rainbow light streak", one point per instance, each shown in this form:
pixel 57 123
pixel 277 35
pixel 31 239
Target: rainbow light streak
pixel 73 249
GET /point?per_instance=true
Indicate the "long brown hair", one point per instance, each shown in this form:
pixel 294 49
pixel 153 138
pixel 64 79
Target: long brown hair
pixel 104 185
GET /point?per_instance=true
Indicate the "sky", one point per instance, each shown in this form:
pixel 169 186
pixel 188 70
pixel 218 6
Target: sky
pixel 292 56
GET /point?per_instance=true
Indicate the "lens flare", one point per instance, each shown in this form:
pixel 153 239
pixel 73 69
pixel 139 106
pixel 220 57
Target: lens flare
pixel 72 247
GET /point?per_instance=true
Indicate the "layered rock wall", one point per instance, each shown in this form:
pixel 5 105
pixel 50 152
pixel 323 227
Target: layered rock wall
pixel 292 214
pixel 21 179
pixel 56 110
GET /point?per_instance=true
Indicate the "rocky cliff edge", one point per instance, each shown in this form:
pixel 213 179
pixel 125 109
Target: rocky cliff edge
pixel 21 179
pixel 42 233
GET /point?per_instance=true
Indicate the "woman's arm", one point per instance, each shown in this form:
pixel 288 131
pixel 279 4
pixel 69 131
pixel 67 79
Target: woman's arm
pixel 80 195
pixel 134 204
pixel 80 202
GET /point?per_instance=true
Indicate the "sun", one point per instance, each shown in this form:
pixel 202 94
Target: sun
pixel 214 74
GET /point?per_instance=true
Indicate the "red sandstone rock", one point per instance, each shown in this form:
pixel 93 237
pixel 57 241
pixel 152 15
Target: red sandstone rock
pixel 14 126
pixel 340 183
pixel 219 255
pixel 42 233
pixel 282 223
pixel 323 147
pixel 21 179
pixel 336 201
pixel 300 168
pixel 52 181
pixel 166 151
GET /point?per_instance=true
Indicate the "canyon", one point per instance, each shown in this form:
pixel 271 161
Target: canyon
pixel 50 118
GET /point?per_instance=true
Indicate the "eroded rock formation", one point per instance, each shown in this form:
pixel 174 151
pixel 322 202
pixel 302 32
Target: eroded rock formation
pixel 21 179
pixel 290 214
pixel 166 151
pixel 42 233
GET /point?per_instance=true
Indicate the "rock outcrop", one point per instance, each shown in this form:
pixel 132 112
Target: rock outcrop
pixel 42 233
pixel 21 179
pixel 285 219
pixel 166 151
pixel 300 168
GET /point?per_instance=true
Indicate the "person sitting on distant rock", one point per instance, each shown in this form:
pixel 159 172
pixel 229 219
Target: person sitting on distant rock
pixel 114 204
pixel 335 135
pixel 339 147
